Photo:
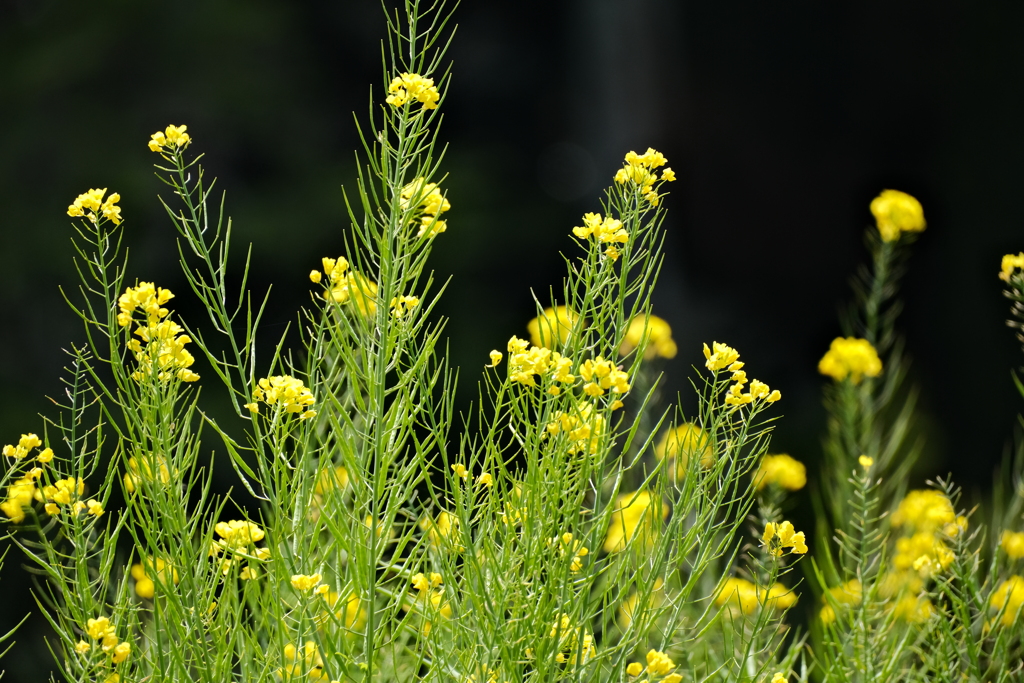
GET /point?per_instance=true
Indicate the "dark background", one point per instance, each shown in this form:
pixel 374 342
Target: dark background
pixel 781 119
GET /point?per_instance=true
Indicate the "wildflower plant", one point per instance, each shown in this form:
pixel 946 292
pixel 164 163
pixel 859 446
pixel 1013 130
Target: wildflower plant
pixel 572 527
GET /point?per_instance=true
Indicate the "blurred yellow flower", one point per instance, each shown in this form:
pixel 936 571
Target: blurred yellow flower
pixel 681 443
pixel 782 471
pixel 850 357
pixel 637 518
pixel 1009 598
pixel 738 593
pixel 1011 262
pixel 1012 542
pixel 897 212
pixel 552 327
pixel 655 332
pixel 145 586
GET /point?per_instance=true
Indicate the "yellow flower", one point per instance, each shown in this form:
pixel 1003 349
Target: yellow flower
pixel 148 468
pixel 683 442
pixel 91 205
pixel 659 664
pixel 148 299
pixel 145 586
pixel 19 497
pixel 782 471
pixel 402 305
pixel 602 375
pixel 628 608
pixel 634 669
pixel 913 609
pixel 460 471
pixel 924 510
pixel 495 359
pixel 584 426
pixel 82 647
pixel 866 462
pixel 288 392
pixel 304 582
pixel 62 492
pixel 777 596
pixel 100 628
pixel 26 444
pixel 425 202
pixel 1009 598
pixel 567 546
pixel 606 230
pixel 652 331
pixel 1011 263
pixel 349 612
pixel 897 212
pixel 164 352
pixel 120 652
pixel 738 593
pixel 485 479
pixel 635 518
pixel 238 534
pixel 1012 542
pixel 552 327
pixel 723 357
pixel 850 357
pixel 575 645
pixel 779 536
pixel 173 138
pixel 443 531
pixel 778 677
pixel 638 172
pixel 408 87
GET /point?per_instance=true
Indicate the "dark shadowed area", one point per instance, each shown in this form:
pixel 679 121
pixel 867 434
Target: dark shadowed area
pixel 782 121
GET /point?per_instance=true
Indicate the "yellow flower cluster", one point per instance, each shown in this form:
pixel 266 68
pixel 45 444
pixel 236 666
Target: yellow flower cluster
pixel 584 427
pixel 727 358
pixel 150 468
pixel 1009 598
pixel 525 361
pixel 164 352
pixel 1011 262
pixel 426 202
pixel 639 172
pixel 1012 543
pixel 850 357
pixel 25 444
pixel 575 645
pixel 307 663
pixel 782 535
pixel 347 286
pixel 568 547
pixel 309 582
pixel 636 519
pixel 239 537
pixel 605 230
pixel 408 87
pixel 145 586
pixel 654 333
pixel 897 212
pixel 19 496
pixel 659 667
pixel 443 531
pixel 92 205
pixel 848 594
pixel 782 471
pixel 285 391
pixel 926 517
pixel 403 305
pixel 552 327
pixel 681 443
pixel 103 631
pixel 744 596
pixel 602 375
pixel 352 613
pixel 429 599
pixel 171 139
